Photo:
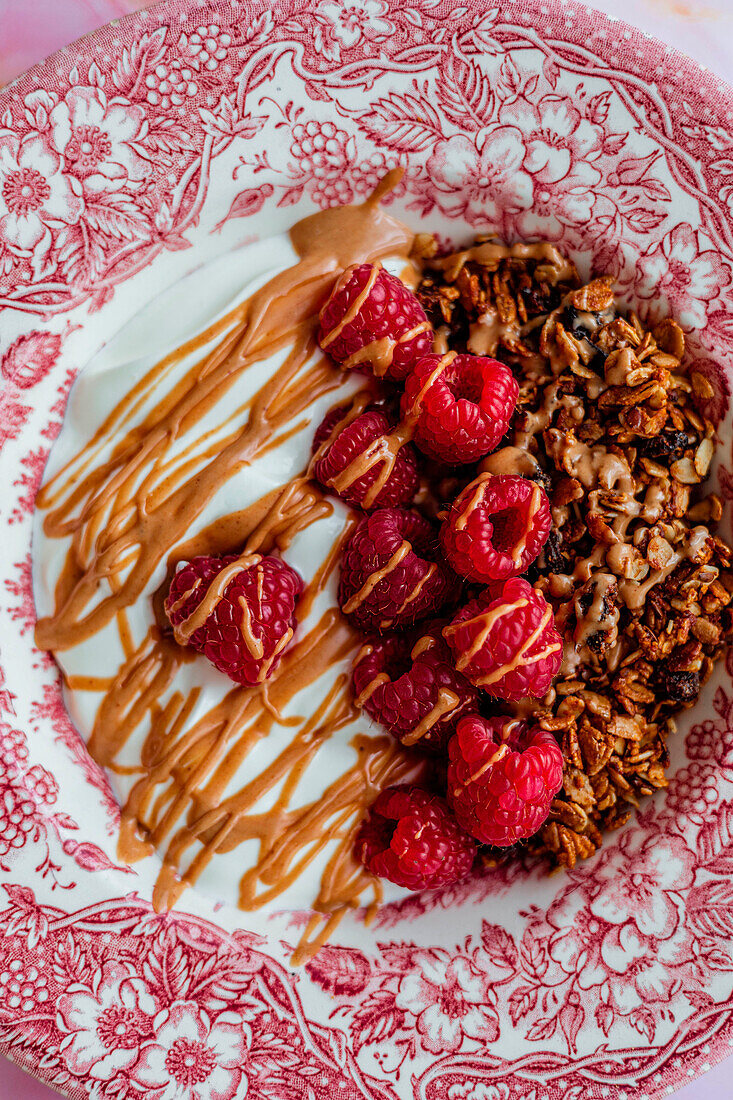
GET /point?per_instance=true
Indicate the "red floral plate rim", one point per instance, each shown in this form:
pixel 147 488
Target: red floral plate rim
pixel 116 156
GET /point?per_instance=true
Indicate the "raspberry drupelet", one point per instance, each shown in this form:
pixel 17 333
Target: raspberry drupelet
pixel 496 527
pixel 416 694
pixel 238 611
pixel 502 777
pixel 460 405
pixel 411 838
pixel 361 458
pixel 393 573
pixel 505 641
pixel 373 322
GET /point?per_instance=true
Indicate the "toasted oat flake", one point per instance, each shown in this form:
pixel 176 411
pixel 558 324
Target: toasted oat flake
pixel 640 584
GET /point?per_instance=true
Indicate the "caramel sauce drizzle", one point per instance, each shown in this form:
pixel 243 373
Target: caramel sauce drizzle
pixel 128 502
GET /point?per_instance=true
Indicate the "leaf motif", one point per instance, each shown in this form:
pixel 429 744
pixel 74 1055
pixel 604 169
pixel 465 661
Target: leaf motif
pixel 725 478
pixel 81 255
pixel 499 945
pixel 604 1015
pixel 544 1028
pixel 551 72
pixel 715 839
pixel 655 189
pixel 403 122
pixel 376 1019
pixel 710 908
pixel 533 954
pixel 614 143
pixel 317 92
pixel 596 109
pixel 30 358
pixel 521 1001
pixel 509 76
pixel 642 220
pixel 291 195
pixel 643 1021
pixel 465 93
pixel 70 962
pixel 400 956
pixel 116 222
pixel 340 970
pixel 142 57
pixel 721 704
pixel 21 896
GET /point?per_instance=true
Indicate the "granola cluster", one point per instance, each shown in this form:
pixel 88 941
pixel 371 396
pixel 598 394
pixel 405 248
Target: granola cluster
pixel 641 585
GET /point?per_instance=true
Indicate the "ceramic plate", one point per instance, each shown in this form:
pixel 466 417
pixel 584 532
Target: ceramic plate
pixel 126 161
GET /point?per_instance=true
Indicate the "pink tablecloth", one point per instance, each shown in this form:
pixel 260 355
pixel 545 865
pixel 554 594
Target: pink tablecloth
pixel 32 29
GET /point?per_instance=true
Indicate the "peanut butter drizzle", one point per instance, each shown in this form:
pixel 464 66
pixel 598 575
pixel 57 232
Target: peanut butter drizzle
pixel 127 503
pixel 447 701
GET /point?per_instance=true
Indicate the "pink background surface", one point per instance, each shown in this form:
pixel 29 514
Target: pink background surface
pixel 30 30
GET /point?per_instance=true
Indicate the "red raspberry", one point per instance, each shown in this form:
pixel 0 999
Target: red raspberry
pixel 505 641
pixel 412 838
pixel 251 612
pixel 363 460
pixel 496 527
pixel 417 695
pixel 41 785
pixel 502 777
pixel 392 573
pixel 460 405
pixel 374 322
pixel 13 753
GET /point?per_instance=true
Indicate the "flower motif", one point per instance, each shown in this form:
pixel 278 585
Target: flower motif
pixel 451 1000
pixel 483 179
pixel 679 272
pixel 635 886
pixel 95 137
pixel 557 137
pixel 104 1024
pixel 34 194
pixel 576 942
pixel 641 969
pixel 353 20
pixel 192 1058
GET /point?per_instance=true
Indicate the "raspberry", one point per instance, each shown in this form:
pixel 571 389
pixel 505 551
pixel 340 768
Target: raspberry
pixel 392 574
pixel 460 405
pixel 17 818
pixel 363 461
pixel 496 527
pixel 693 791
pixel 505 641
pixel 251 612
pixel 22 987
pixel 13 753
pixel 335 191
pixel 709 741
pixel 373 322
pixel 412 839
pixel 170 84
pixel 417 695
pixel 502 777
pixel 209 45
pixel 319 147
pixel 41 786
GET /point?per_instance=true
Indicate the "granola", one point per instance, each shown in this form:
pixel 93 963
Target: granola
pixel 641 584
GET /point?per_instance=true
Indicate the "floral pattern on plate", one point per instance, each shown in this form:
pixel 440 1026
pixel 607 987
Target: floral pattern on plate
pixel 124 161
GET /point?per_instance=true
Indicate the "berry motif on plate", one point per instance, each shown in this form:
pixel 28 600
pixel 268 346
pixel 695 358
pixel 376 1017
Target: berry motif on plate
pixel 362 459
pixel 373 322
pixel 496 527
pixel 412 838
pixel 505 641
pixel 414 692
pixel 238 611
pixel 392 572
pixel 502 777
pixel 460 405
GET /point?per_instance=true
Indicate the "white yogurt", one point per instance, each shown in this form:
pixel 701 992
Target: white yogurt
pixel 158 329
